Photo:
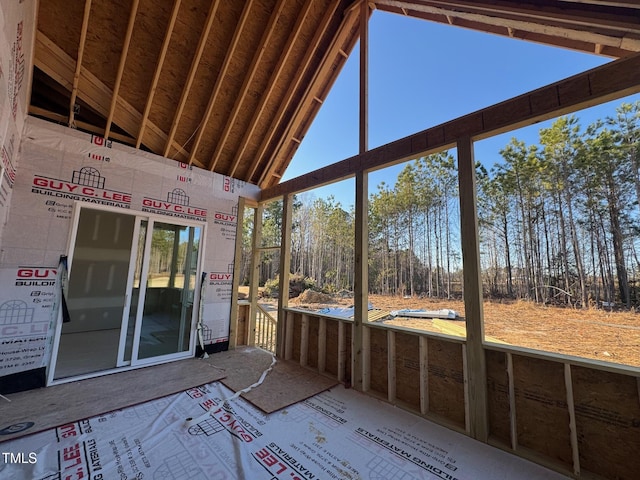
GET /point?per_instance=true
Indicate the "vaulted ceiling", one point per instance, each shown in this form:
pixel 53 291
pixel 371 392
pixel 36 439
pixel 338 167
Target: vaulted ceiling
pixel 233 86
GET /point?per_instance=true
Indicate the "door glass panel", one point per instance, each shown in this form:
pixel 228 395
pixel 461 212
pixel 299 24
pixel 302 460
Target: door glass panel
pixel 135 290
pixel 96 293
pixel 170 287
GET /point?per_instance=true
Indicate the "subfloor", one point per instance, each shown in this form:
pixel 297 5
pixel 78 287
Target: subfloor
pixel 209 432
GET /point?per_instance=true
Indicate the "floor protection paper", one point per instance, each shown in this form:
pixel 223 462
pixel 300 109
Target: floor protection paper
pixel 337 434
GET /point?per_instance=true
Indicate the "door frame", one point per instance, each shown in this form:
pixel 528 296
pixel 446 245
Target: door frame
pixel 139 216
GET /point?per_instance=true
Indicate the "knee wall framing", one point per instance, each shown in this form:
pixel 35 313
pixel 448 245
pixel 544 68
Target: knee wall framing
pixel 578 417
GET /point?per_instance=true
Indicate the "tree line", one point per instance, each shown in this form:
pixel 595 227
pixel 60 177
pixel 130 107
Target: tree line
pixel 558 222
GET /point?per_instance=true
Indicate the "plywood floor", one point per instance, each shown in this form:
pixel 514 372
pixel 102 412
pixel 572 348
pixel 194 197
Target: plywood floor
pixel 287 382
pixel 50 407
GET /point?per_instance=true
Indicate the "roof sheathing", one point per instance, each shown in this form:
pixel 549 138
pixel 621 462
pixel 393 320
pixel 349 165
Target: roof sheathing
pixel 146 43
pixel 327 62
pixel 184 40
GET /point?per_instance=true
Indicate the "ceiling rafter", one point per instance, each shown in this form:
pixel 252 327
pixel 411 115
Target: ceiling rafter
pixel 284 56
pixel 626 4
pixel 56 63
pixel 624 42
pixel 306 110
pixel 293 86
pixel 192 74
pixel 352 15
pixel 156 75
pixel 244 16
pixel 123 61
pixel 58 118
pixel 245 130
pixel 76 75
pixel 613 18
pixel 253 69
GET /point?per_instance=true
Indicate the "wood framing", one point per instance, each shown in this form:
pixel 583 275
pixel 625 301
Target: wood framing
pixel 76 75
pixel 123 60
pixel 614 80
pixel 361 276
pixel 293 85
pixel 475 365
pixel 282 57
pixel 363 114
pixel 287 50
pixel 361 279
pixel 267 36
pixel 254 276
pixel 245 80
pixel 303 112
pixel 235 284
pixel 222 72
pixel 158 70
pixel 558 411
pixel 285 266
pixel 195 63
pixel 613 33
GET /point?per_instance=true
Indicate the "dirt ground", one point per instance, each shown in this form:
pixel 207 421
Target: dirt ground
pixel 597 334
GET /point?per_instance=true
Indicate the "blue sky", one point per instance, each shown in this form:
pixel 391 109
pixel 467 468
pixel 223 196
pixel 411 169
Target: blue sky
pixel 422 74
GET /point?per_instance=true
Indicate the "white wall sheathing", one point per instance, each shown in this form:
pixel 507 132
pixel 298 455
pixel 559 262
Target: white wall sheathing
pixel 48 184
pixel 17 23
pixel 338 434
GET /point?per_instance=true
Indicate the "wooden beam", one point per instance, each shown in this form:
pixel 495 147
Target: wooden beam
pixel 287 349
pixel 195 63
pixel 275 74
pixel 88 127
pixel 513 425
pixel 619 3
pixel 608 82
pixel 364 80
pixel 363 365
pixel 322 344
pixel 304 339
pixel 391 366
pixel 476 369
pixel 569 21
pixel 285 264
pixel 467 401
pixel 361 275
pixel 76 75
pixel 361 280
pixel 254 275
pixel 293 86
pixel 342 354
pixel 156 75
pixel 57 64
pixel 123 61
pixel 222 73
pixel 573 430
pixel 253 69
pixel 329 63
pixel 424 374
pixel 235 283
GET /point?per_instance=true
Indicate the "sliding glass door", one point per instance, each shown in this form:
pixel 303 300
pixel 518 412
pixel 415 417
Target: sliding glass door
pixel 168 266
pixel 96 293
pixel 132 286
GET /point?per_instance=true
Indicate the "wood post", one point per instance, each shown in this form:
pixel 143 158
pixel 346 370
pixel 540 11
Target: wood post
pixel 476 371
pixel 254 276
pixel 285 267
pixel 361 280
pixel 237 262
